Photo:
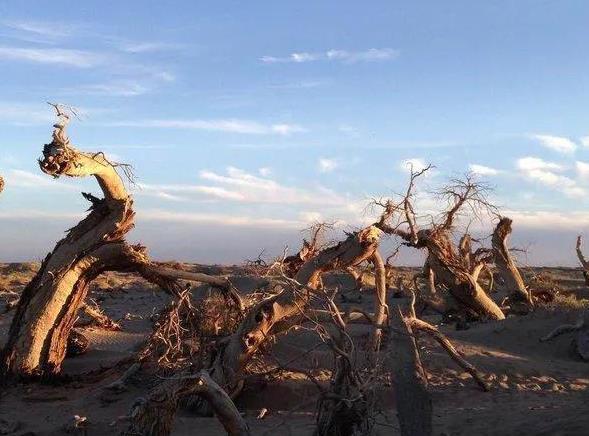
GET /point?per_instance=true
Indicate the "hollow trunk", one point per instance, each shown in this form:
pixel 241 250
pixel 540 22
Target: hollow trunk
pixel 261 322
pixel 512 279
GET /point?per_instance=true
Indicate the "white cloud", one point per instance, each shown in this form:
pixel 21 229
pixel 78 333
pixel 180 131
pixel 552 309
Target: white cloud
pixel 38 31
pixel 120 89
pixel 327 165
pixel 534 163
pixel 147 47
pixel 585 141
pixel 229 125
pixel 582 169
pixel 73 58
pixel 483 170
pixel 25 179
pixel 265 171
pixel 345 56
pixel 540 171
pixel 242 187
pixel 221 219
pixel 415 164
pixel 557 143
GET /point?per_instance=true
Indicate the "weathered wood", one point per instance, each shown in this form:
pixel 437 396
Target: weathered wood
pixel 380 304
pixel 582 260
pixel 154 415
pixel 259 323
pixel 414 405
pixel 512 279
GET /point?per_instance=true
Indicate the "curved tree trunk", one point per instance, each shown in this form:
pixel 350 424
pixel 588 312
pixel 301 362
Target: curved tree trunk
pixel 504 262
pixel 262 320
pixel 47 309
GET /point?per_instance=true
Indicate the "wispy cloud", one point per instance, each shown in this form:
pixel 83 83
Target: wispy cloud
pixel 25 179
pixel 225 125
pixel 147 47
pixel 585 141
pixel 483 170
pixel 415 164
pixel 38 31
pixel 344 56
pixel 546 173
pixel 557 143
pixel 582 170
pixel 240 186
pixel 220 219
pixel 73 58
pixel 114 89
pixel 327 165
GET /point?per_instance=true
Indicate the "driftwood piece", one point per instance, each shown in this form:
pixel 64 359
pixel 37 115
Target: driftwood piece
pixel 414 405
pixel 154 415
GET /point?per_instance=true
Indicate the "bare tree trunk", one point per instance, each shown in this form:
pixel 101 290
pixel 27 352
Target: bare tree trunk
pixel 260 322
pixel 504 262
pixel 380 304
pixel 414 405
pixel 47 309
pixel 582 260
pixel 462 285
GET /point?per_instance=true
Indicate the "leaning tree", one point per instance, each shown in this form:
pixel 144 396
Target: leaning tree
pixel 48 307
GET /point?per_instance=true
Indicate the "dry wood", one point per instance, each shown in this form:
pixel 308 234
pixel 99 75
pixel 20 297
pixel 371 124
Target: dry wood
pixel 512 279
pixel 380 304
pixel 414 405
pixel 260 321
pixel 443 257
pixel 418 324
pixel 154 415
pixel 582 339
pixel 582 260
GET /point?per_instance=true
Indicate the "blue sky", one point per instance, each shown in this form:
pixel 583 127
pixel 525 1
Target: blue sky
pixel 246 121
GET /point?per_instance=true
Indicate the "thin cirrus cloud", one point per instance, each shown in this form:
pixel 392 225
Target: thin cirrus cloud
pixel 344 56
pixel 240 186
pixel 69 57
pixel 224 125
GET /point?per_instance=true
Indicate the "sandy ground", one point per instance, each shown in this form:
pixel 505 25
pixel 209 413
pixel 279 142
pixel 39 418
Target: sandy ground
pixel 537 388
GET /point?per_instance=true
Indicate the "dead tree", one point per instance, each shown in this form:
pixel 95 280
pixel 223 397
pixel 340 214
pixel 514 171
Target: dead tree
pixel 582 260
pixel 154 415
pixel 268 317
pixel 291 264
pixel 38 336
pixel 508 271
pixel 443 256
